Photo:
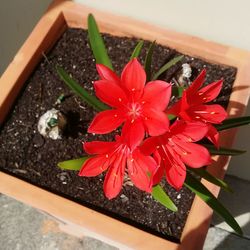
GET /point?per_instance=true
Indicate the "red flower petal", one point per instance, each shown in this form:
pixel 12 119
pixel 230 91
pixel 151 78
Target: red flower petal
pixel 176 177
pixel 133 77
pixel 157 176
pixel 106 121
pixel 110 93
pixel 156 122
pixel 157 94
pixel 175 109
pixel 157 157
pixel 149 146
pixel 210 92
pixel 139 168
pixel 196 84
pixel 179 108
pixel 189 131
pixel 213 135
pixel 98 147
pixel 192 154
pixel 107 74
pixel 133 133
pixel 114 177
pixel 208 113
pixel 175 169
pixel 94 166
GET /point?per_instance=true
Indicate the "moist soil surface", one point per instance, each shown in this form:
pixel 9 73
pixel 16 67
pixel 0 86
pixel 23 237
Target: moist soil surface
pixel 26 154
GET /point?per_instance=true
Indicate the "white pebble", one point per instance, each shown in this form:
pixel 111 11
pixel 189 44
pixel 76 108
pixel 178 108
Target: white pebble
pixel 186 70
pixel 53 132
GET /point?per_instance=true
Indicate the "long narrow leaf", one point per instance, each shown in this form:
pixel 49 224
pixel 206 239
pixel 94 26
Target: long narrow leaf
pixel 74 164
pixel 137 50
pixel 201 191
pixel 177 91
pixel 223 151
pixel 97 44
pixel 74 86
pixel 233 122
pixel 171 117
pixel 167 66
pixel 148 61
pixel 207 176
pixel 159 194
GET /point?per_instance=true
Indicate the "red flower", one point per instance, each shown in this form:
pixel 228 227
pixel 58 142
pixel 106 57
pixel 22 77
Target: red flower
pixel 191 107
pixel 176 148
pixel 140 107
pixel 113 157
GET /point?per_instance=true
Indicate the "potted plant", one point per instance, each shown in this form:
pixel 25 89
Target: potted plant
pixel 43 37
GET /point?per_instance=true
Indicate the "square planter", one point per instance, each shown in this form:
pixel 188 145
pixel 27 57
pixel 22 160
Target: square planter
pixel 77 218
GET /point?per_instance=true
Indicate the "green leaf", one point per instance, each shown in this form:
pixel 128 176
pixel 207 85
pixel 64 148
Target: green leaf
pixel 167 66
pixel 137 50
pixel 74 164
pixel 148 61
pixel 75 87
pixel 159 194
pixel 223 151
pixel 177 91
pixel 233 122
pixel 207 176
pixel 97 44
pixel 201 191
pixel 171 117
pixel 180 91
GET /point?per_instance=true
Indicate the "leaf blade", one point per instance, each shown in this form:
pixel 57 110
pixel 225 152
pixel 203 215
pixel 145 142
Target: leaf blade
pixel 97 43
pixel 207 176
pixel 137 50
pixel 202 192
pixel 177 91
pixel 223 151
pixel 74 164
pixel 159 195
pixel 167 66
pixel 77 89
pixel 233 122
pixel 148 60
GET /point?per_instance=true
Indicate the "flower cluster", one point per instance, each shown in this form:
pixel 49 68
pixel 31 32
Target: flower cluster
pixel 149 146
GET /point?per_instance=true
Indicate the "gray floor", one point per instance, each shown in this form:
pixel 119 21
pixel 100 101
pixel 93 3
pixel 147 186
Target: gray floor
pixel 25 228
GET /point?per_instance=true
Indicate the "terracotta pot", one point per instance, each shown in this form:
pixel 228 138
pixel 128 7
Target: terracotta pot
pixel 63 14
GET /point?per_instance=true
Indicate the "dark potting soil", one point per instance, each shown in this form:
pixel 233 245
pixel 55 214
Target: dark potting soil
pixel 26 154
